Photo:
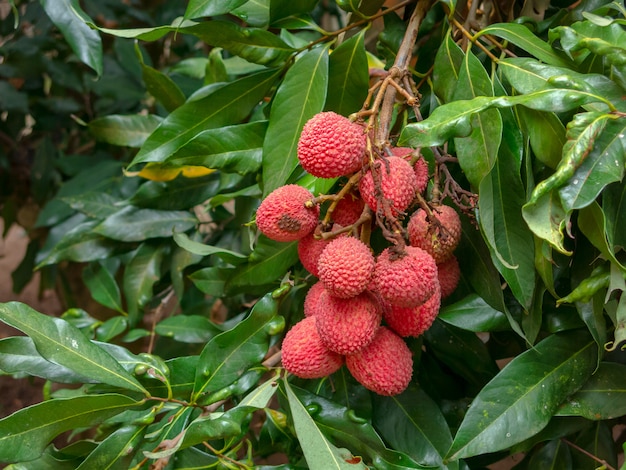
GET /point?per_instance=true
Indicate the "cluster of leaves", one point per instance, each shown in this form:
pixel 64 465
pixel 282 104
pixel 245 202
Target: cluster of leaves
pixel 181 371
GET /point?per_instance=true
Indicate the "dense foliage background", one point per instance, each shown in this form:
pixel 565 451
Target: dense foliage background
pixel 137 140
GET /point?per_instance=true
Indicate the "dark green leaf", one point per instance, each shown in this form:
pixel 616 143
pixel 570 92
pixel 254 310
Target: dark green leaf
pixel 446 69
pixel 94 204
pixel 546 134
pixel 117 450
pixel 126 131
pixel 593 224
pixel 102 286
pixel 188 328
pixel 111 328
pixel 554 455
pixel 300 96
pixel 613 203
pixel 25 434
pixel 181 193
pixel 64 344
pixel 211 280
pixel 472 313
pixel 522 398
pixel 198 248
pixel 201 8
pixel 140 275
pixel 161 87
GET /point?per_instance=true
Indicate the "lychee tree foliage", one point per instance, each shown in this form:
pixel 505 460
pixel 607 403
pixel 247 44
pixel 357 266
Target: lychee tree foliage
pixel 519 113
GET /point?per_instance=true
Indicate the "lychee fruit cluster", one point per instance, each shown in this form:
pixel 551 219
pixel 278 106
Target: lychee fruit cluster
pixel 366 300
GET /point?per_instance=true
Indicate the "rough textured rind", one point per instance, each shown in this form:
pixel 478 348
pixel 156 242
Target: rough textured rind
pixel 398 184
pixel 439 241
pixel 420 167
pixel 283 216
pixel 304 355
pixel 384 366
pixel 348 210
pixel 413 321
pixel 346 266
pixel 449 273
pixel 330 145
pixel 406 281
pixel 309 251
pixel 312 299
pixel 347 325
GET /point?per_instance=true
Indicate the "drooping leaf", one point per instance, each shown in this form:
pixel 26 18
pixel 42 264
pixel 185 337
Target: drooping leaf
pixel 546 134
pixel 472 313
pixel 593 224
pixel 198 248
pixel 141 273
pixel 547 219
pixel 446 68
pixel 299 97
pixel 162 88
pixel 128 131
pixel 62 343
pixel 522 398
pixel 25 434
pixel 102 286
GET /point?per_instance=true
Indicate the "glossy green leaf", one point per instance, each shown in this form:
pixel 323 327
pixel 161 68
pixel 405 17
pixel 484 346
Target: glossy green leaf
pixel 124 130
pixel 201 8
pixel 523 38
pixel 64 344
pixel 236 148
pixel 546 134
pixel 582 38
pixel 102 286
pixel 227 356
pixel 554 455
pixel 180 260
pixel 141 273
pixel 319 453
pixel 472 313
pixel 117 450
pixel 133 224
pixel 547 219
pixel 162 88
pixel 211 107
pixel 25 434
pixel 613 202
pixel 255 13
pixel 299 97
pixel 348 76
pixel 94 204
pixel 211 280
pixel 413 423
pixel 446 69
pixel 594 225
pixel 280 9
pixel 198 248
pixel 70 18
pixel 188 328
pixel 522 398
pixel 111 328
pixel 598 441
pixel 181 193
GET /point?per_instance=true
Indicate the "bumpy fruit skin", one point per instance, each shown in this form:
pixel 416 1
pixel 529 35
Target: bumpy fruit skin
pixel 304 355
pixel 331 145
pixel 347 325
pixel 346 266
pixel 449 273
pixel 348 210
pixel 420 167
pixel 309 250
pixel 384 366
pixel 439 241
pixel 283 216
pixel 312 299
pixel 413 321
pixel 405 281
pixel 398 184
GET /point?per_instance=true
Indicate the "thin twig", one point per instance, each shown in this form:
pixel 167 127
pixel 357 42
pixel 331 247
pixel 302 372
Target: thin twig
pixel 588 454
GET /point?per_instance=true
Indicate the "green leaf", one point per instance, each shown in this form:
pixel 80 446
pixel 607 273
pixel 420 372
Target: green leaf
pixel 522 398
pixel 237 148
pixel 211 107
pixel 117 450
pixel 319 453
pixel 547 219
pixel 613 202
pixel 299 97
pixel 69 17
pixel 348 76
pixel 159 85
pixel 140 275
pixel 111 328
pixel 593 224
pixel 523 38
pixel 64 344
pixel 201 8
pixel 125 131
pixel 546 133
pixel 229 355
pixel 446 68
pixel 554 455
pixel 198 248
pixel 94 204
pixel 211 280
pixel 102 286
pixel 181 193
pixel 472 313
pixel 134 224
pixel 188 328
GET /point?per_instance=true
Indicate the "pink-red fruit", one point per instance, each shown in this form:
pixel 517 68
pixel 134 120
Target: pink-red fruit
pixel 413 321
pixel 348 210
pixel 309 250
pixel 345 266
pixel 312 299
pixel 449 273
pixel 420 167
pixel 384 366
pixel 305 356
pixel 284 216
pixel 397 183
pixel 405 279
pixel 331 145
pixel 347 325
pixel 439 239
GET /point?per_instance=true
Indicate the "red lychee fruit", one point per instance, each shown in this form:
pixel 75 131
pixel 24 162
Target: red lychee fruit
pixel 304 355
pixel 283 215
pixel 397 182
pixel 312 299
pixel 346 266
pixel 405 279
pixel 438 239
pixel 384 366
pixel 331 145
pixel 420 167
pixel 449 273
pixel 347 325
pixel 348 210
pixel 309 250
pixel 413 321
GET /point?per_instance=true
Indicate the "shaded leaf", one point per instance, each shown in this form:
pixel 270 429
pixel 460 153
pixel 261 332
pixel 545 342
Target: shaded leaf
pixel 546 134
pixel 126 131
pixel 117 450
pixel 178 194
pixel 211 280
pixel 198 248
pixel 94 204
pixel 141 273
pixel 102 286
pixel 472 313
pixel 188 328
pixel 200 8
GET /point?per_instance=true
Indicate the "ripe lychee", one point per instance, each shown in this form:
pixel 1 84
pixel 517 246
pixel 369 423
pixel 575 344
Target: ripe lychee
pixel 438 239
pixel 405 279
pixel 449 273
pixel 420 167
pixel 304 355
pixel 398 184
pixel 310 248
pixel 413 321
pixel 347 325
pixel 312 299
pixel 346 266
pixel 283 215
pixel 348 210
pixel 384 366
pixel 331 145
